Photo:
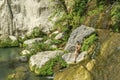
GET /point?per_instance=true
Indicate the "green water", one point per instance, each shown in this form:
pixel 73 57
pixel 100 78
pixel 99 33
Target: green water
pixel 6 56
pixel 9 63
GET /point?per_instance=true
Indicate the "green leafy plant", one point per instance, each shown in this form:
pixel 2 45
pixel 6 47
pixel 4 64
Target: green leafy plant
pixel 8 43
pixel 88 42
pixel 48 68
pixel 115 17
pixel 71 18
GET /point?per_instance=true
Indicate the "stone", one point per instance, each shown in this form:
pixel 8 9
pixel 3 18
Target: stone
pixel 70 57
pixel 59 36
pixel 25 52
pixel 21 16
pixel 78 35
pixel 23 59
pixel 41 58
pixel 53 46
pixel 30 41
pixel 13 38
pixel 55 32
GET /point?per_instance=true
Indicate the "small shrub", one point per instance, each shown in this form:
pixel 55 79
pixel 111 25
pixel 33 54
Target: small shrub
pixel 88 42
pixel 48 68
pixel 115 17
pixel 8 43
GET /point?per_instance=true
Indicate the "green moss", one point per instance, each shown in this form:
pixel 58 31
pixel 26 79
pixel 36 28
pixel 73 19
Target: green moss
pixel 48 68
pixel 88 42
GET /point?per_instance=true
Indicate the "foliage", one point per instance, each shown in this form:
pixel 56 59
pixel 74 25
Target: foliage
pixel 88 42
pixel 48 68
pixel 71 18
pixel 36 32
pixel 8 43
pixel 38 47
pixel 115 17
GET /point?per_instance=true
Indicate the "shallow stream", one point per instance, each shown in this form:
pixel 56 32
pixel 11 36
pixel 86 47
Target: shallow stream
pixel 9 64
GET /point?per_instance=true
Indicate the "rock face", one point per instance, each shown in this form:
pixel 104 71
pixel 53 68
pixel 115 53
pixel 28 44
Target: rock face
pixel 105 66
pixel 41 58
pixel 78 35
pixel 21 16
pixel 70 57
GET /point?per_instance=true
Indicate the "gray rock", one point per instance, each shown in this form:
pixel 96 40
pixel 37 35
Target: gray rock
pixel 30 41
pixel 25 52
pixel 13 38
pixel 70 57
pixel 23 59
pixel 21 16
pixel 78 35
pixel 59 36
pixel 41 58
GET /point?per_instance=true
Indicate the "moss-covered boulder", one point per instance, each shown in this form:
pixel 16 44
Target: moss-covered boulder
pixel 47 62
pixel 104 66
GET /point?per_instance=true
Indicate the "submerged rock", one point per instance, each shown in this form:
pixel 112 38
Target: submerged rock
pixel 78 35
pixel 23 59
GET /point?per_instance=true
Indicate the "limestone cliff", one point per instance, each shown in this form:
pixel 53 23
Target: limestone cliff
pixel 20 16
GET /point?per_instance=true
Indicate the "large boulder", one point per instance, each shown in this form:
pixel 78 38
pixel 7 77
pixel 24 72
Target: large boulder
pixel 78 35
pixel 41 58
pixel 104 66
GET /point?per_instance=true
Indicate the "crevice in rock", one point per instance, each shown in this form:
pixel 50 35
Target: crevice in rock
pixel 10 27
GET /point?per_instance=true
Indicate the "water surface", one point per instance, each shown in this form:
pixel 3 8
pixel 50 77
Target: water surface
pixel 9 63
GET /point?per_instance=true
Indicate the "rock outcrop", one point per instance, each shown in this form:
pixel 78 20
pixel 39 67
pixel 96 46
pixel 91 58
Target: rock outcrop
pixel 21 16
pixel 105 66
pixel 41 58
pixel 78 35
